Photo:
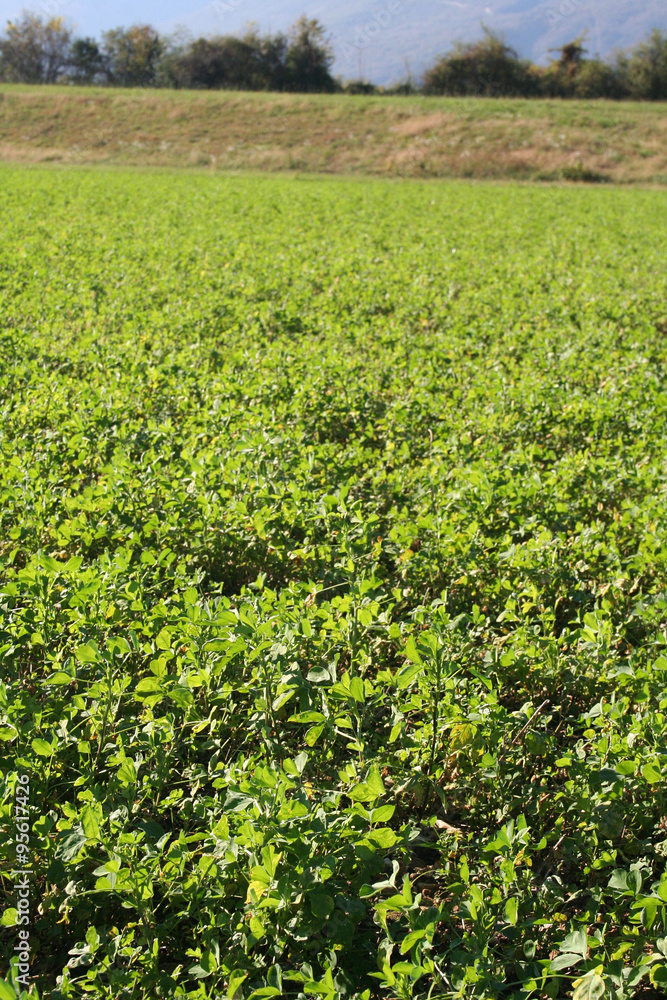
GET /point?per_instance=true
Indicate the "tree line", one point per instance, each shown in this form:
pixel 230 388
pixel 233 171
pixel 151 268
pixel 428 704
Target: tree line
pixel 491 68
pixel 35 50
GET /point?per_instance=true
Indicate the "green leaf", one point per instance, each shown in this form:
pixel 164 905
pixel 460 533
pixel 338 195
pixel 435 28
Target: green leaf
pixel 7 991
pixel 181 696
pixel 163 640
pixel 148 685
pixel 388 975
pixel 590 987
pixel 206 966
pixel 235 980
pixel 619 880
pixel 70 845
pixel 383 814
pixel 270 859
pixel 92 937
pixel 659 975
pixel 108 876
pixel 462 736
pixel 307 717
pixel 361 792
pixel 152 829
pixel 237 802
pixel 126 773
pixel 119 645
pixel 357 689
pixel 8 918
pixel 90 824
pixel 530 949
pixel 209 961
pixel 313 734
pixel 535 744
pixel 87 653
pixel 384 837
pixel 282 699
pixel 564 961
pixel 512 911
pixel 321 904
pixel 375 782
pixel 199 972
pixel 635 881
pixel 60 678
pixel 411 652
pixel 405 676
pixel 411 939
pixel 42 748
pixel 577 941
pixel 651 773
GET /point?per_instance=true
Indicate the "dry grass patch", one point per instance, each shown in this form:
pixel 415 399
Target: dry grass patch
pixel 411 136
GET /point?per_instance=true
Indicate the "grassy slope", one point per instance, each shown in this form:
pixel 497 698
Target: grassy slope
pixel 415 136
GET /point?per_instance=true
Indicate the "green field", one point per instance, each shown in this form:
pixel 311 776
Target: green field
pixel 333 641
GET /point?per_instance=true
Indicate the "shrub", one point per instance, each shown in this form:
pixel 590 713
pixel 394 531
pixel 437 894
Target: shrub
pixel 486 68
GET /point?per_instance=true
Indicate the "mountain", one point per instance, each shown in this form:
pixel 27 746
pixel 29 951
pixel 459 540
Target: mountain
pixel 384 40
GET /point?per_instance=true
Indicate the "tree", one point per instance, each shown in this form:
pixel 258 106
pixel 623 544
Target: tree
pixel 486 68
pixel 252 62
pixel 645 70
pixel 215 63
pixel 86 61
pixel 133 55
pixel 271 51
pixel 309 58
pixel 595 79
pixel 571 56
pixel 561 75
pixel 33 50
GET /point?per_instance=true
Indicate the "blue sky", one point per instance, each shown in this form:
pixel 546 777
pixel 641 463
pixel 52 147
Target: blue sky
pixel 92 18
pixel 403 33
pixel 382 40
